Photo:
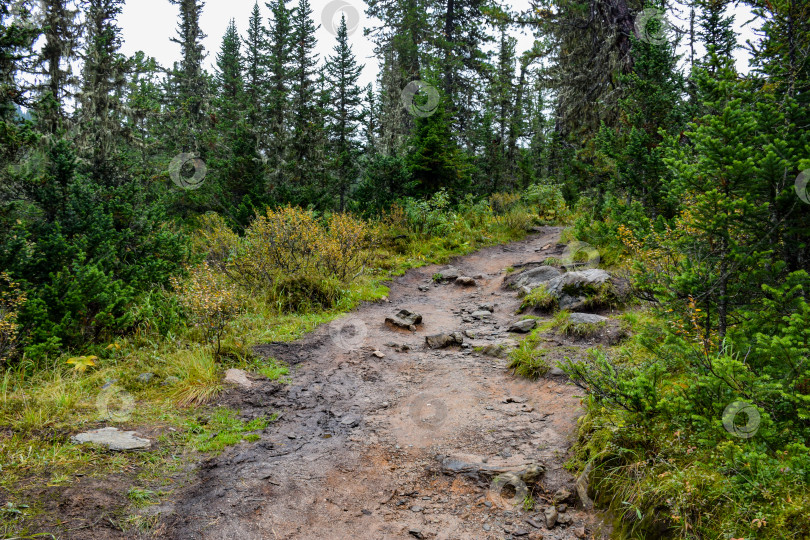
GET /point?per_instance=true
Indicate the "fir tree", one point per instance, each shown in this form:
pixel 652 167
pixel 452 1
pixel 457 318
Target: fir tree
pixel 278 93
pixel 302 163
pixel 192 84
pixel 345 114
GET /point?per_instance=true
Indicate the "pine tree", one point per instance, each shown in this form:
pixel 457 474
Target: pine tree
pixel 278 94
pixel 715 29
pixel 192 83
pixel 434 161
pixel 302 164
pixel 229 77
pixel 238 170
pixel 256 70
pixel 345 114
pixel 721 229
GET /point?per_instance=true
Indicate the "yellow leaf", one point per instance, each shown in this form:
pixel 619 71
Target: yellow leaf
pixel 81 363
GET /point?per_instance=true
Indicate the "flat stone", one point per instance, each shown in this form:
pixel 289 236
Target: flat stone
pixel 449 273
pixel 556 372
pixel 465 281
pixel 113 439
pixel 487 307
pixel 577 280
pixel 238 377
pixel 351 420
pixel 532 278
pixel 586 318
pixel 405 319
pixel 523 327
pixel 378 354
pixel 533 523
pixel 481 314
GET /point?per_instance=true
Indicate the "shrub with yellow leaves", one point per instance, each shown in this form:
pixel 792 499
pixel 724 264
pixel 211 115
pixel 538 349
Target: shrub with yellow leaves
pixel 216 240
pixel 344 250
pixel 11 300
pixel 210 300
pixel 281 242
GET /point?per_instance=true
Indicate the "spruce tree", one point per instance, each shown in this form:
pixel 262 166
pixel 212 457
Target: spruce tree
pixel 255 63
pixel 61 31
pixel 192 83
pixel 302 164
pixel 237 168
pixel 277 109
pixel 100 127
pixel 345 114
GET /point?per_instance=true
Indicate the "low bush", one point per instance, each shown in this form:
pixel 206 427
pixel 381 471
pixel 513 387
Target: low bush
pixel 703 438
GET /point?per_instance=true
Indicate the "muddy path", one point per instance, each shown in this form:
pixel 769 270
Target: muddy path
pixel 394 447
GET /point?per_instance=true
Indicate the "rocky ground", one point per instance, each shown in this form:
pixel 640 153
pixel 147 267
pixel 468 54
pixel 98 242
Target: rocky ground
pixel 381 436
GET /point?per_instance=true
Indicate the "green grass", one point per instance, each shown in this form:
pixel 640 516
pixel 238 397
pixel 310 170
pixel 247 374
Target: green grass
pixel 529 358
pixel 539 299
pixel 222 428
pixel 563 325
pixel 142 497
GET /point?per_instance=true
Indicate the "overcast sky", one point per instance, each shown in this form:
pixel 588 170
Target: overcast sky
pixel 148 25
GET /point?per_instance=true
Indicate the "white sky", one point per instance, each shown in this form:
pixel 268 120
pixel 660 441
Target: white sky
pixel 148 25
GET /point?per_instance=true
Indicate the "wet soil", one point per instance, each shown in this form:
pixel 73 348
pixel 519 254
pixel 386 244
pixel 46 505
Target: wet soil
pixel 358 449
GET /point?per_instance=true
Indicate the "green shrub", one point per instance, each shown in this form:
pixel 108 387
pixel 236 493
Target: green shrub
pixel 666 445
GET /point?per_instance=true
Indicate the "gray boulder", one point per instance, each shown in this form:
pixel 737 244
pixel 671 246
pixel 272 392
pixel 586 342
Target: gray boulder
pixel 532 278
pixel 449 274
pixel 145 377
pixel 439 341
pixel 523 327
pixel 574 282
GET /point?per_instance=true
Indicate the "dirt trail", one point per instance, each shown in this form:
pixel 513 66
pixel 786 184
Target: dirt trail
pixel 359 448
